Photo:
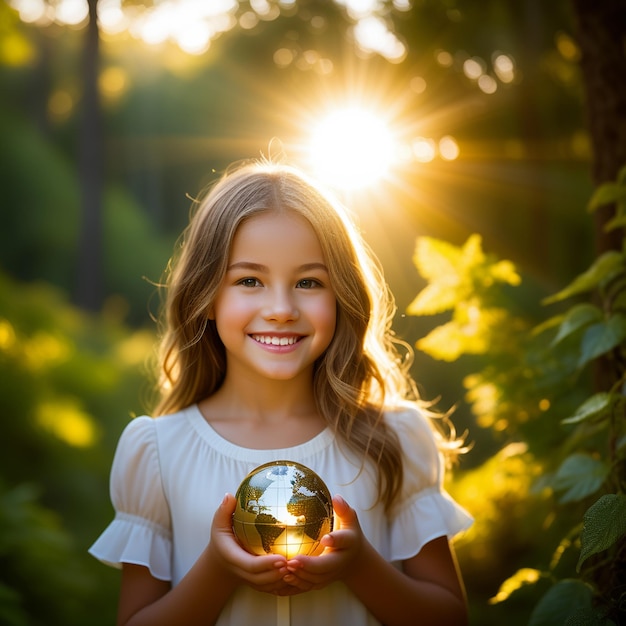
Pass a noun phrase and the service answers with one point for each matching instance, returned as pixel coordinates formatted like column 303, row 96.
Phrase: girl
column 277, row 345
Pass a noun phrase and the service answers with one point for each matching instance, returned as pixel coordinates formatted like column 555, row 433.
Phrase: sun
column 352, row 148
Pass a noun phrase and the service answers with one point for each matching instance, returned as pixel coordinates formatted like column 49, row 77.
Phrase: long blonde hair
column 361, row 371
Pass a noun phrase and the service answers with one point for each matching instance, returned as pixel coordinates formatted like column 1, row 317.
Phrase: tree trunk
column 601, row 36
column 602, row 40
column 89, row 291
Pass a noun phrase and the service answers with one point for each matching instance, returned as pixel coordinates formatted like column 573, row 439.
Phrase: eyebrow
column 257, row 267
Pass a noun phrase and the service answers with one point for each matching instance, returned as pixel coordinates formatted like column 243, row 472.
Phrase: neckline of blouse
column 227, row 448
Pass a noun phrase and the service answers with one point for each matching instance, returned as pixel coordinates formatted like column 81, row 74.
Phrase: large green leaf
column 603, row 267
column 603, row 524
column 561, row 601
column 602, row 338
column 579, row 476
column 595, row 406
column 576, row 318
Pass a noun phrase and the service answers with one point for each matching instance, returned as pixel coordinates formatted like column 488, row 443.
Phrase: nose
column 281, row 306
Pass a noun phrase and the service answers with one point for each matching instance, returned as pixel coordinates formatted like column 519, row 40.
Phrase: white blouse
column 170, row 474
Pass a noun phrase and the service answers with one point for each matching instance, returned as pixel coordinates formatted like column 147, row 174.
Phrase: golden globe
column 283, row 507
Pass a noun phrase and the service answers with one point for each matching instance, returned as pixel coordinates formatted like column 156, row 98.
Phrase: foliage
column 41, row 575
column 67, row 382
column 461, row 280
column 40, row 233
column 531, row 379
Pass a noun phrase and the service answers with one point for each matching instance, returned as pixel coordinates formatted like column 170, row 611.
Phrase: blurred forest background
column 503, row 203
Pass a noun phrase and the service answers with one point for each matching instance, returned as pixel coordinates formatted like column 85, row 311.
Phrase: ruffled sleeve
column 424, row 511
column 140, row 533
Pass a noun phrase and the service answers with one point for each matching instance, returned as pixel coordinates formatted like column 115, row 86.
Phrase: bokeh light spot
column 448, row 148
column 418, row 84
column 504, row 67
column 473, row 68
column 424, row 149
column 444, row 58
column 487, row 84
column 113, row 82
column 60, row 105
column 567, row 47
column 283, row 57
column 72, row 12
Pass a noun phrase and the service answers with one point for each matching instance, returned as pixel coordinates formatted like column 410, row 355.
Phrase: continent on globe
column 283, row 507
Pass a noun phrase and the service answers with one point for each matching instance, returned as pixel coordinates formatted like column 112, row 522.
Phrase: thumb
column 340, row 537
column 223, row 516
column 345, row 513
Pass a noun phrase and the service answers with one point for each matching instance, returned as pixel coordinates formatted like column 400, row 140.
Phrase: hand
column 342, row 547
column 263, row 573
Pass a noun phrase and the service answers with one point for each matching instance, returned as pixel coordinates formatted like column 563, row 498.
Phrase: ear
column 211, row 314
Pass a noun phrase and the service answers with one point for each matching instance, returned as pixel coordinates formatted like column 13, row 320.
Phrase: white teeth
column 275, row 341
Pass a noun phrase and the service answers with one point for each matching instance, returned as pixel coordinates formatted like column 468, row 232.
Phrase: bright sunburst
column 352, row 148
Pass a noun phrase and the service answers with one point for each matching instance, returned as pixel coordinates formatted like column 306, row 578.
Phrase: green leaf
column 448, row 342
column 579, row 476
column 602, row 268
column 598, row 404
column 434, row 298
column 602, row 338
column 547, row 325
column 603, row 524
column 617, row 222
column 608, row 193
column 504, row 272
column 561, row 601
column 523, row 576
column 577, row 317
column 435, row 259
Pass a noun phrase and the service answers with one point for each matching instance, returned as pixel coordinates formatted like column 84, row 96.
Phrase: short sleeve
column 140, row 533
column 424, row 510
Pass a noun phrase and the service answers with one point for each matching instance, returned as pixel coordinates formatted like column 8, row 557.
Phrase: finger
column 223, row 514
column 282, row 588
column 345, row 513
column 267, row 580
column 315, row 569
column 272, row 563
column 338, row 540
column 300, row 584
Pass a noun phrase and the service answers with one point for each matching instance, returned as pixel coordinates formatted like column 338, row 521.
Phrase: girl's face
column 275, row 311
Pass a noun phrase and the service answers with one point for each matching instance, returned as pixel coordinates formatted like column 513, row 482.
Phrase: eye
column 249, row 282
column 308, row 283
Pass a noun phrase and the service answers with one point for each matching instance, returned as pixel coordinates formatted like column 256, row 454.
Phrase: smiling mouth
column 271, row 340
